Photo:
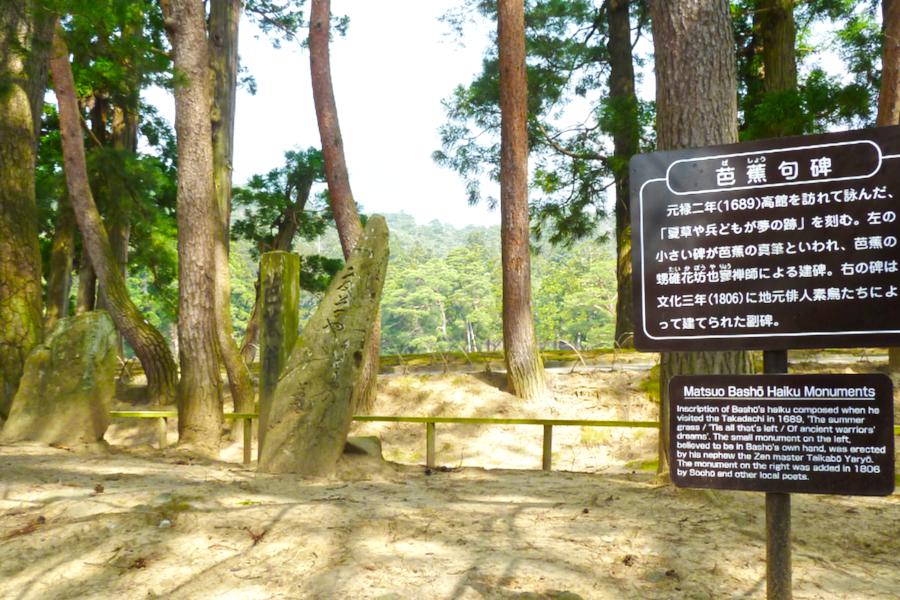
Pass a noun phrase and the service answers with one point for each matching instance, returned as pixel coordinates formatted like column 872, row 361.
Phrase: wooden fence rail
column 163, row 416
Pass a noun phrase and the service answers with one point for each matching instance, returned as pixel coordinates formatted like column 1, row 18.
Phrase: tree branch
column 571, row 153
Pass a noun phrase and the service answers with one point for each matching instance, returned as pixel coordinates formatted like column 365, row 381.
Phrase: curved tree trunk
column 148, row 344
column 889, row 96
column 525, row 371
column 62, row 252
column 341, row 197
column 626, row 142
column 199, row 392
column 224, row 17
column 696, row 99
column 21, row 315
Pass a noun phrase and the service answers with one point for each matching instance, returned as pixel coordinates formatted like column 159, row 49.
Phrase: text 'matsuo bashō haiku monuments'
column 785, row 243
column 826, row 434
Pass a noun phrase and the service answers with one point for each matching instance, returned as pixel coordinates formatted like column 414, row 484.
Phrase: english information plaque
column 783, row 243
column 816, row 434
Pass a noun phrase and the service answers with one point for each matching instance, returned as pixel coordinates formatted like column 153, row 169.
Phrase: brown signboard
column 784, row 243
column 818, row 434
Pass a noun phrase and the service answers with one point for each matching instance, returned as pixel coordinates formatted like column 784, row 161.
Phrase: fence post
column 546, row 457
column 161, row 426
column 429, row 444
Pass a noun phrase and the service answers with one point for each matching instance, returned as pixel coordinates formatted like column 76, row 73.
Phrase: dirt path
column 139, row 523
column 163, row 529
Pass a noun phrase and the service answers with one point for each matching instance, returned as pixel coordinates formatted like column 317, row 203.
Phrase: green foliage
column 442, row 292
column 575, row 296
column 568, row 64
column 280, row 200
column 284, row 20
column 821, row 102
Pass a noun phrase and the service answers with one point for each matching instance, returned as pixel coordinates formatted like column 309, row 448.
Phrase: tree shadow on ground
column 462, row 534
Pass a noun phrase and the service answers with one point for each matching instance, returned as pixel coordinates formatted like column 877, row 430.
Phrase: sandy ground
column 140, row 523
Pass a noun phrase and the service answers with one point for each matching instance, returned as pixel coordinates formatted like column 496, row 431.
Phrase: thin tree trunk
column 62, row 254
column 21, row 314
column 626, row 141
column 525, row 371
column 87, row 284
column 124, row 139
column 224, row 17
column 147, row 342
column 889, row 96
column 343, row 206
column 696, row 100
column 200, row 415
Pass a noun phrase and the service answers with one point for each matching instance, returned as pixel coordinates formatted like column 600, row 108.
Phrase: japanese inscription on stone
column 785, row 243
column 825, row 434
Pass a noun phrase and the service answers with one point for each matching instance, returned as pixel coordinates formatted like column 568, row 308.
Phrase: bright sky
column 390, row 73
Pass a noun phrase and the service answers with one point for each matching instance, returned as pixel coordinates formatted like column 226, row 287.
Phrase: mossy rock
column 66, row 391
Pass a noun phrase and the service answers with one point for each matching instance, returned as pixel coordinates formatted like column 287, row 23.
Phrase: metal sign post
column 778, row 513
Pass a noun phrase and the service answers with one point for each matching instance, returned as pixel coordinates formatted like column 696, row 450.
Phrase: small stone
column 165, row 524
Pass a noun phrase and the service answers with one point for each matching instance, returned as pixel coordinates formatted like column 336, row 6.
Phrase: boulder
column 66, row 391
column 312, row 407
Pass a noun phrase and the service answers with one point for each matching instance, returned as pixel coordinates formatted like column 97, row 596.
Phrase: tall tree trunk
column 224, row 17
column 774, row 20
column 62, row 253
column 199, row 391
column 525, row 371
column 124, row 139
column 696, row 104
column 21, row 314
column 147, row 342
column 626, row 142
column 889, row 96
column 343, row 206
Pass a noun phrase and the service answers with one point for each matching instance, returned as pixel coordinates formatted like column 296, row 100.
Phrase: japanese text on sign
column 744, row 249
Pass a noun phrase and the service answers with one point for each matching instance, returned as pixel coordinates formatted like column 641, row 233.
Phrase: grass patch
column 650, row 384
column 643, row 465
column 595, row 436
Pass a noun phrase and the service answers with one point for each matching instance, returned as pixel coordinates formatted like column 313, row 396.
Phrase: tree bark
column 62, row 254
column 774, row 20
column 148, row 344
column 775, row 31
column 21, row 314
column 340, row 195
column 343, row 206
column 87, row 284
column 200, row 414
column 525, row 371
column 696, row 100
column 224, row 17
column 626, row 143
column 889, row 95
